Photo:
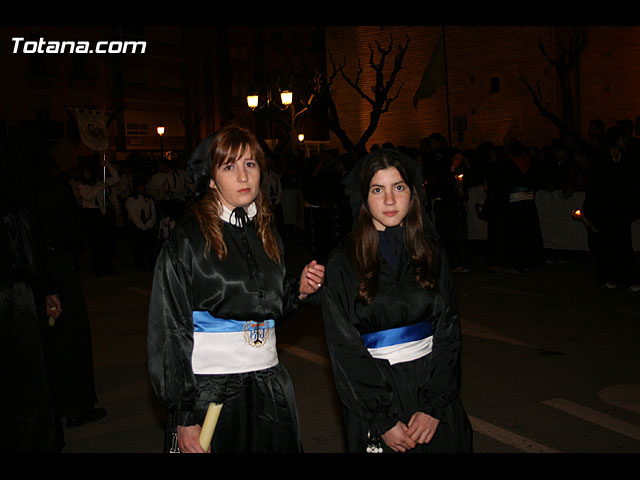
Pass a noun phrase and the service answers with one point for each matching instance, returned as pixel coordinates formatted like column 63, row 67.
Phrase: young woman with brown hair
column 220, row 288
column 391, row 318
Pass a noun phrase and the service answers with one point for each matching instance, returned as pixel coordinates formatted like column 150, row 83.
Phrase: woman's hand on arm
column 189, row 439
column 311, row 279
column 422, row 427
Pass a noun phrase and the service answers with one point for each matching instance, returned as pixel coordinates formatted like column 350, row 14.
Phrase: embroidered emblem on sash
column 256, row 333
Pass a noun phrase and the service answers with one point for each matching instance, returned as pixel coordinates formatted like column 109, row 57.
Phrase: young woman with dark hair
column 391, row 318
column 220, row 288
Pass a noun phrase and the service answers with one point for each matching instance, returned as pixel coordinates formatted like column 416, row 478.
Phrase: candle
column 52, row 320
column 577, row 215
column 209, row 425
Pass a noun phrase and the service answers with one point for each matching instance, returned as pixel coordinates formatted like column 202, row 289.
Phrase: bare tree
column 380, row 98
column 566, row 66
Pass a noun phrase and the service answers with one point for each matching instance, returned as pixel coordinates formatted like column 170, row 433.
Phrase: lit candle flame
column 578, row 215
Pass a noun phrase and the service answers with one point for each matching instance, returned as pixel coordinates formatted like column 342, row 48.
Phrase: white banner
column 559, row 229
column 92, row 125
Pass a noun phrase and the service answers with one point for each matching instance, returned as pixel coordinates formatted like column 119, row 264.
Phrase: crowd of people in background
column 145, row 197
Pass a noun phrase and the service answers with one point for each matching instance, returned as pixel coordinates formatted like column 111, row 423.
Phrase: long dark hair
column 364, row 246
column 228, row 145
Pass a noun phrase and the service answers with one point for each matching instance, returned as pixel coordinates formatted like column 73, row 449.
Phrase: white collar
column 225, row 215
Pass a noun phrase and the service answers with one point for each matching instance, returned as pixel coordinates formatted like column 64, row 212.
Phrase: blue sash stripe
column 395, row 336
column 205, row 322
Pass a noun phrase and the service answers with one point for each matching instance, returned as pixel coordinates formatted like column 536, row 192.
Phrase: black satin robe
column 374, row 393
column 259, row 412
column 27, row 420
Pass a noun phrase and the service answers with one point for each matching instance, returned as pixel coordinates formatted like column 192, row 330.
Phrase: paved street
column 550, row 363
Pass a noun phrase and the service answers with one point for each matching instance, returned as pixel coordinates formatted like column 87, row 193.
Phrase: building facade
column 486, row 98
column 191, row 80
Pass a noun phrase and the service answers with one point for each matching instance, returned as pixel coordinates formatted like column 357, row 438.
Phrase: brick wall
column 475, row 55
column 611, row 74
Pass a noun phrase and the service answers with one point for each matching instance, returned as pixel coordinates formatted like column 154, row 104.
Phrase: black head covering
column 199, row 166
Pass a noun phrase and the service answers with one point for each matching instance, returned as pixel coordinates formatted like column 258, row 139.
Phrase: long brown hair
column 420, row 247
column 228, row 145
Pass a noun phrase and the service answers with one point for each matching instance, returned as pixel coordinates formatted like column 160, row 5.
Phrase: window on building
column 137, row 129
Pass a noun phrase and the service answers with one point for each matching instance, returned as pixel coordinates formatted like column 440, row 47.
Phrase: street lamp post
column 160, row 130
column 286, row 101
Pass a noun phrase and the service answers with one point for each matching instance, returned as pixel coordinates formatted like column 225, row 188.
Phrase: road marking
column 307, row 355
column 514, row 292
column 593, row 416
column 509, row 438
column 504, row 436
column 625, row 396
column 142, row 291
column 476, row 330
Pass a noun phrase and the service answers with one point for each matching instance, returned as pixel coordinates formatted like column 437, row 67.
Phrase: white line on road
column 625, row 396
column 302, row 353
column 142, row 291
column 593, row 416
column 509, row 438
column 476, row 330
column 504, row 436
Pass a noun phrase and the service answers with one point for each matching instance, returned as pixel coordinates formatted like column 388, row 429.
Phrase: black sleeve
column 170, row 336
column 444, row 383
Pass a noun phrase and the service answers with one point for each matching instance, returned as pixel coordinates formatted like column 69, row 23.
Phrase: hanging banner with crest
column 92, row 125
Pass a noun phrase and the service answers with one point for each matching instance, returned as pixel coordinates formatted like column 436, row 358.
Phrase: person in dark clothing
column 595, row 133
column 609, row 208
column 391, row 319
column 220, row 287
column 98, row 217
column 444, row 170
column 317, row 215
column 68, row 341
column 494, row 210
column 525, row 245
column 141, row 221
column 26, row 409
column 27, row 415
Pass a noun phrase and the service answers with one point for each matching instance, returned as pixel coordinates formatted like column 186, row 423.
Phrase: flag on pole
column 434, row 75
column 92, row 125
